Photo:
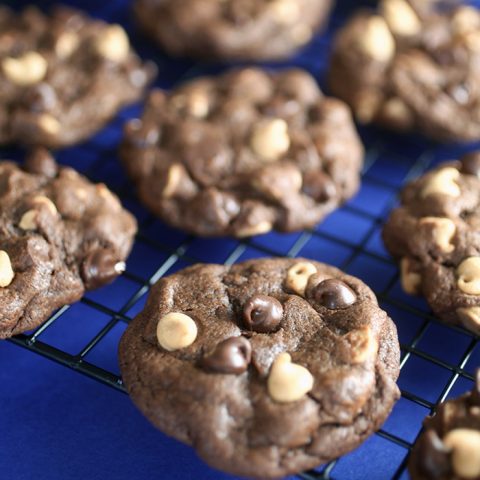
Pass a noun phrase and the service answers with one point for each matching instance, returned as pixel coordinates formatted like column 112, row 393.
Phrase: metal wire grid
column 443, row 357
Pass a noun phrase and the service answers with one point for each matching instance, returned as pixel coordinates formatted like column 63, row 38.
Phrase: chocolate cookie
column 60, row 235
column 63, row 76
column 267, row 367
column 232, row 29
column 449, row 448
column 243, row 153
column 435, row 234
column 410, row 68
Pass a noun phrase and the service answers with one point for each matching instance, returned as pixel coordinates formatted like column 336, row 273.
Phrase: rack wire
column 437, row 361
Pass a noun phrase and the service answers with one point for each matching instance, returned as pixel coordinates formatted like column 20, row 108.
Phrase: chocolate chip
column 319, row 186
column 433, row 458
column 471, row 164
column 332, row 294
column 262, row 313
column 40, row 161
column 100, row 267
column 233, row 355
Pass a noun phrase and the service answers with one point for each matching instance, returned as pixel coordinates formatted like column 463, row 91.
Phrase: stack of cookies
column 271, row 366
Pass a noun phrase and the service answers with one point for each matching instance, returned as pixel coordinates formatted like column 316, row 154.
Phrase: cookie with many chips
column 63, row 75
column 243, row 153
column 60, row 235
column 267, row 367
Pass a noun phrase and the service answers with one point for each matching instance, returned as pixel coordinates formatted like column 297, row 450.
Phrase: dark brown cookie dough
column 63, row 76
column 449, row 448
column 243, row 153
column 267, row 367
column 412, row 69
column 232, row 29
column 60, row 235
column 435, row 234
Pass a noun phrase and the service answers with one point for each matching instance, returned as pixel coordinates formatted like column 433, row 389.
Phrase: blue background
column 56, row 423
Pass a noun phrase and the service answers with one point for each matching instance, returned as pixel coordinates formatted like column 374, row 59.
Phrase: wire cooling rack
column 437, row 361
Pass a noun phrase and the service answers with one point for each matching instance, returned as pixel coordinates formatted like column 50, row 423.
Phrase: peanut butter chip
column 28, row 220
column 363, row 343
column 270, row 139
column 298, row 275
column 285, row 11
column 377, row 41
column 175, row 331
column 258, row 229
column 26, row 70
column 443, row 182
column 287, row 381
column 468, row 273
column 411, row 281
column 401, row 17
column 6, row 271
column 113, row 44
column 470, row 317
column 47, row 202
column 443, row 231
column 465, row 446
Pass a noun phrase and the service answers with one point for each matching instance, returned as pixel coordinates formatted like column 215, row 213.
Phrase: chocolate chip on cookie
column 243, row 153
column 410, row 66
column 55, row 71
column 61, row 235
column 449, row 448
column 435, row 235
column 232, row 29
column 259, row 376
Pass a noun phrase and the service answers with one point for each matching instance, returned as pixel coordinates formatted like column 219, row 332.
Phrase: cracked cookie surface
column 449, row 448
column 60, row 235
column 435, row 233
column 56, row 69
column 232, row 29
column 243, row 153
column 410, row 68
column 267, row 367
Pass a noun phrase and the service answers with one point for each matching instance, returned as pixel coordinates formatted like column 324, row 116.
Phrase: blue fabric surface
column 58, row 424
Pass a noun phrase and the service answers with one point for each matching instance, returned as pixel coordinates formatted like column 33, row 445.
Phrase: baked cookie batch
column 271, row 366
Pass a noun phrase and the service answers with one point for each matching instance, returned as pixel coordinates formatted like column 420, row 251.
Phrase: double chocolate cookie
column 267, row 367
column 243, row 153
column 435, row 234
column 449, row 448
column 60, row 235
column 232, row 29
column 410, row 66
column 63, row 76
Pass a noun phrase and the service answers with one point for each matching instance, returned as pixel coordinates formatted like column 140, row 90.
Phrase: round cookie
column 267, row 368
column 412, row 69
column 449, row 448
column 55, row 71
column 232, row 29
column 435, row 234
column 61, row 235
column 243, row 153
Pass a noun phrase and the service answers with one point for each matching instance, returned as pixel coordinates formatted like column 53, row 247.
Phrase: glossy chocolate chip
column 230, row 356
column 100, row 267
column 319, row 186
column 333, row 293
column 471, row 164
column 433, row 459
column 262, row 313
column 40, row 161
